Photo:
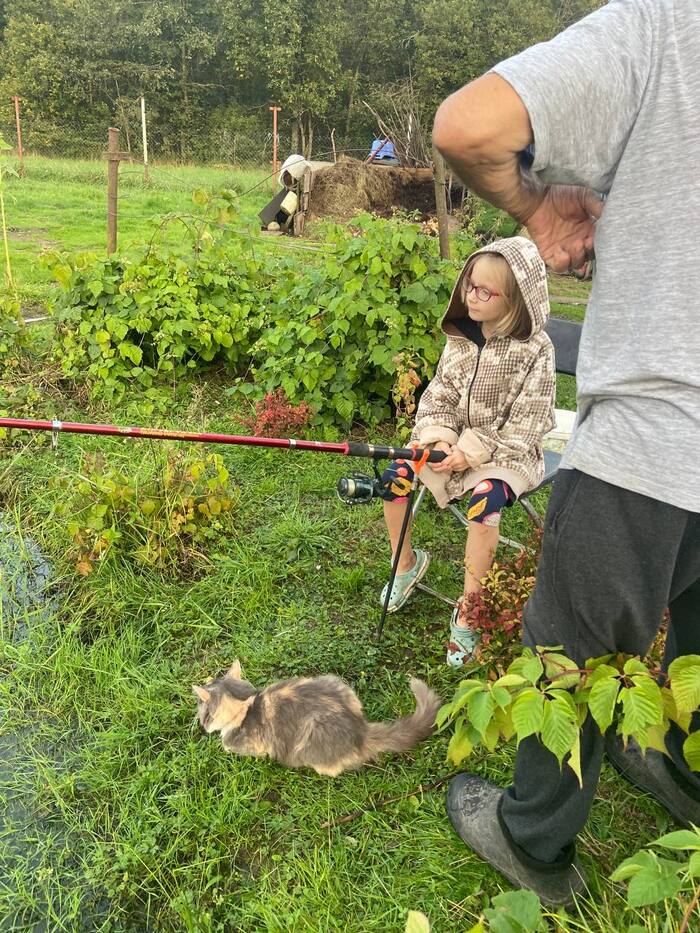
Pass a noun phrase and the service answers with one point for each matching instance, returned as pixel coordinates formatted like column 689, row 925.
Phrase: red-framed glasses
column 482, row 293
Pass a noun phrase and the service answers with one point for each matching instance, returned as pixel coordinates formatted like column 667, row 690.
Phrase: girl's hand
column 455, row 461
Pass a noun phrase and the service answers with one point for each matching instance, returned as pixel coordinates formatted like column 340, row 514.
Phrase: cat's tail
column 403, row 734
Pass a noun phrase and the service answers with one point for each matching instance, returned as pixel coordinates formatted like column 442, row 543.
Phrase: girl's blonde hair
column 516, row 321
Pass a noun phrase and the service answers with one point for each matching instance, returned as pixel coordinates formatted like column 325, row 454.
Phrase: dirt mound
column 350, row 187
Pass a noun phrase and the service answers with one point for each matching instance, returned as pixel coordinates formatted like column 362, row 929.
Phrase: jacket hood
column 530, row 273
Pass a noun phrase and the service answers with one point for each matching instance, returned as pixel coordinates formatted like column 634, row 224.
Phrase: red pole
column 346, row 448
column 19, row 135
column 275, row 138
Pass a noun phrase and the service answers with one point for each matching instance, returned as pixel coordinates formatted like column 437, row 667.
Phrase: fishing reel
column 360, row 489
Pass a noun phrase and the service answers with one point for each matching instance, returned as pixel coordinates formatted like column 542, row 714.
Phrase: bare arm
column 480, row 130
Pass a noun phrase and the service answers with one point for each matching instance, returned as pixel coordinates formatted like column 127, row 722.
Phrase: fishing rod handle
column 377, row 452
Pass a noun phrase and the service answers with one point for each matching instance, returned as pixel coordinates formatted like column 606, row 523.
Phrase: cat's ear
column 234, row 672
column 203, row 694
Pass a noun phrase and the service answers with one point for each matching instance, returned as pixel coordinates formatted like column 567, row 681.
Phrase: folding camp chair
column 565, row 335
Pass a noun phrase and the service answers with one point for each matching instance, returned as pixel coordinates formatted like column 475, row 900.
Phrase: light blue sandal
column 463, row 642
column 405, row 583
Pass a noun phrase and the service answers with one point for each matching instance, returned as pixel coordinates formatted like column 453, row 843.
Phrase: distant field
column 62, row 204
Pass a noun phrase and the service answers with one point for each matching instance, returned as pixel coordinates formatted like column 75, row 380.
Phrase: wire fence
column 221, row 144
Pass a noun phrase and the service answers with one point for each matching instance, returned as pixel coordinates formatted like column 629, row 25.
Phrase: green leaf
column 345, row 407
column 691, row 751
column 574, row 760
column 671, row 711
column 555, row 666
column 514, row 912
column 200, row 197
column 461, row 745
column 654, row 737
column 559, row 728
column 528, row 713
column 685, row 682
column 503, row 719
column 532, row 669
column 510, row 680
column 650, row 887
column 643, row 706
column 95, row 287
column 492, row 735
column 465, row 690
column 601, row 671
column 652, row 879
column 632, row 865
column 593, row 663
column 481, row 706
column 501, row 696
column 415, row 292
column 603, row 699
column 132, row 352
column 443, row 714
column 417, row 922
column 635, row 666
column 694, row 865
column 681, row 839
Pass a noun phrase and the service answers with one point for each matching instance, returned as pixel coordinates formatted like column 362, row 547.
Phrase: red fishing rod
column 353, row 489
column 346, row 448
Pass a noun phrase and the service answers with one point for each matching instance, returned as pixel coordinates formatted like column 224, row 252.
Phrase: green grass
column 119, row 815
column 62, row 205
column 115, row 812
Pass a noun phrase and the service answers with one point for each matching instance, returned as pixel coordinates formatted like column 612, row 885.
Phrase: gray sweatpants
column 612, row 561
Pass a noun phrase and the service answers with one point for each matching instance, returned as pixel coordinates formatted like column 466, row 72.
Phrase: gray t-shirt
column 614, row 103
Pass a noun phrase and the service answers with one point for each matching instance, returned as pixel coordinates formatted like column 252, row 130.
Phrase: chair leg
column 458, row 515
column 510, row 542
column 532, row 512
column 432, row 592
column 419, row 499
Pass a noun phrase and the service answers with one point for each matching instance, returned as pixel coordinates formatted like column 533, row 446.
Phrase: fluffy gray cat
column 308, row 722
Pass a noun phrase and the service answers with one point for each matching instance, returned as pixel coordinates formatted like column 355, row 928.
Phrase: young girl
column 488, row 407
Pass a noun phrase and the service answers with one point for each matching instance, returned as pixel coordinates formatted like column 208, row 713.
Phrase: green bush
column 341, row 333
column 151, row 322
column 160, row 518
column 13, row 332
column 334, row 334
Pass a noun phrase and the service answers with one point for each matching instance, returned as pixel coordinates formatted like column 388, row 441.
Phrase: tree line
column 210, row 70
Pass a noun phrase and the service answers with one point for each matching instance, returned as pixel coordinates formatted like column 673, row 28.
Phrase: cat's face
column 223, row 703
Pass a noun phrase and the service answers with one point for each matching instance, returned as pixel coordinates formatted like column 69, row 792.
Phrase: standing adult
column 611, row 105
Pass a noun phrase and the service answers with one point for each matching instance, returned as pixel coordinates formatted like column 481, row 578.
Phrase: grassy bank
column 62, row 205
column 119, row 815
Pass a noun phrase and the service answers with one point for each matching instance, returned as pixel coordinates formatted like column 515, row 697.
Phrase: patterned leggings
column 487, row 501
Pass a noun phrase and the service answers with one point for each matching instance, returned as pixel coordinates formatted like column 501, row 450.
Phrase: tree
column 291, row 48
column 213, row 69
column 458, row 40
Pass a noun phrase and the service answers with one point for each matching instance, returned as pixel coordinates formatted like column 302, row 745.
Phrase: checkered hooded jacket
column 496, row 402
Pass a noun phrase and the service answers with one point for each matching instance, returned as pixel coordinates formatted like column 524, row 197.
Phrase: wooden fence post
column 441, row 203
column 20, row 151
column 114, row 157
